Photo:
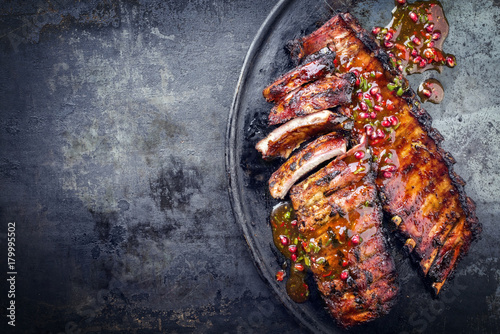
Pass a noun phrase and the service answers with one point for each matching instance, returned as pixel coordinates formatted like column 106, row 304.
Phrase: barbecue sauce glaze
column 413, row 40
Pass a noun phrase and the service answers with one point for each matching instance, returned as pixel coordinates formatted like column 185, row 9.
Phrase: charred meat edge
column 325, row 93
column 311, row 156
column 282, row 141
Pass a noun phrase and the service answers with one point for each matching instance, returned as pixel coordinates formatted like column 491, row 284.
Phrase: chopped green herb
column 359, row 170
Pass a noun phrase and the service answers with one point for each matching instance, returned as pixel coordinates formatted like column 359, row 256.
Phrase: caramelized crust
column 425, row 197
column 334, row 206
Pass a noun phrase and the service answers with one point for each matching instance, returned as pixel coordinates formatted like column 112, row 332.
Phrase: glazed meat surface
column 317, row 68
column 327, row 92
column 283, row 140
column 318, row 151
column 340, row 216
column 417, row 185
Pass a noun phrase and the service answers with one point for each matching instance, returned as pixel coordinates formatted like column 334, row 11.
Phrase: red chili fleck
column 294, row 257
column 292, row 248
column 387, row 174
column 345, row 263
column 359, row 155
column 284, row 240
column 377, row 108
column 390, row 106
column 386, row 123
column 355, row 239
column 413, row 16
column 280, row 275
column 327, row 274
column 299, row 266
column 344, row 274
column 394, row 120
column 335, row 62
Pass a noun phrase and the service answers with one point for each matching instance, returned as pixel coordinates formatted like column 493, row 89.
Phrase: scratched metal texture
column 112, row 133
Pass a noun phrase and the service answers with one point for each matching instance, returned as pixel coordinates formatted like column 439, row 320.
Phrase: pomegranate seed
column 292, row 248
column 413, row 16
column 387, row 160
column 374, row 90
column 416, row 41
column 344, row 275
column 426, row 92
column 388, row 36
column 387, row 175
column 358, row 82
column 363, row 105
column 294, row 222
column 373, row 115
column 428, row 54
column 294, row 257
column 450, row 60
column 378, row 97
column 374, row 135
column 375, row 30
column 359, row 155
column 401, row 2
column 355, row 239
column 422, row 63
column 385, row 123
column 369, row 130
column 377, row 108
column 431, row 44
column 299, row 266
column 400, row 68
column 414, row 52
column 388, row 44
column 429, row 27
column 436, row 35
column 380, row 133
column 367, row 96
column 417, row 60
column 356, row 73
column 345, row 263
column 364, row 115
column 284, row 240
column 394, row 120
column 391, row 168
column 360, row 96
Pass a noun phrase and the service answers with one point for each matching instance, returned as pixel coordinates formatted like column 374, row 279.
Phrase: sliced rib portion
column 311, row 156
column 324, row 93
column 301, row 75
column 423, row 194
column 286, row 138
column 340, row 220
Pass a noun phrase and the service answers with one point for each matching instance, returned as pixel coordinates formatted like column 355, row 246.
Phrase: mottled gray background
column 112, row 135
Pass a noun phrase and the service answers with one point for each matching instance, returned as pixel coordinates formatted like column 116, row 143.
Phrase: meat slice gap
column 340, row 220
column 283, row 140
column 311, row 156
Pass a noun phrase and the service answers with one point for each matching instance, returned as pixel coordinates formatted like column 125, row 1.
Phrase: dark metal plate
column 470, row 301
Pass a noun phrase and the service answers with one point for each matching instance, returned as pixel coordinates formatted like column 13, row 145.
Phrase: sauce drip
column 415, row 36
column 431, row 90
column 288, row 241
